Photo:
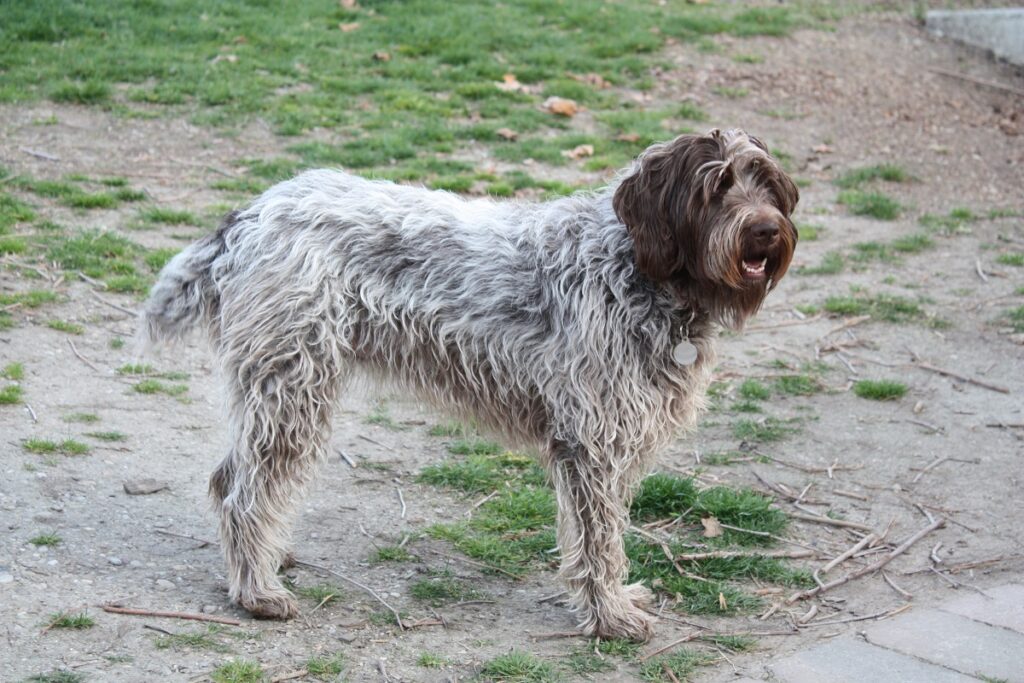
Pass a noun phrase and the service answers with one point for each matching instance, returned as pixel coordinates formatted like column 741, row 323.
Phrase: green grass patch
column 58, row 676
column 474, row 446
column 859, row 176
column 797, row 385
column 108, row 436
column 10, row 395
column 209, row 639
column 879, row 390
column 518, row 667
column 320, row 593
column 13, row 371
column 1015, row 316
column 912, row 244
column 33, row 298
column 66, row 326
column 381, row 418
column 429, row 660
column 163, row 216
column 887, row 307
column 768, row 429
column 12, row 245
column 155, row 386
column 326, row 667
column 957, row 221
column 77, row 622
column 752, row 390
column 45, row 539
column 14, row 211
column 238, row 671
column 95, row 253
column 443, row 589
column 682, row 663
column 873, row 204
column 482, row 473
column 45, row 446
column 832, row 263
column 391, row 553
column 86, row 418
column 1014, row 258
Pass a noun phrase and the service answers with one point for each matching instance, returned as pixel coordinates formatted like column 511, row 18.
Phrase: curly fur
column 553, row 323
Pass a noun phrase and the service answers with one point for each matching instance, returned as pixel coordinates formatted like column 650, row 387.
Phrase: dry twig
column 170, row 615
column 963, row 378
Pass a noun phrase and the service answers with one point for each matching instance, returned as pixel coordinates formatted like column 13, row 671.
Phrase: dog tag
column 684, row 353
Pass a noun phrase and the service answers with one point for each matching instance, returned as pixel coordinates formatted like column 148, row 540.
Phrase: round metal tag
column 684, row 353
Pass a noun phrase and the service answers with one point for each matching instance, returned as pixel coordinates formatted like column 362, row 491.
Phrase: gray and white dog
column 582, row 327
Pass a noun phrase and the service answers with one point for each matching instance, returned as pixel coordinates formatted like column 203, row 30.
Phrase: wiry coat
column 535, row 319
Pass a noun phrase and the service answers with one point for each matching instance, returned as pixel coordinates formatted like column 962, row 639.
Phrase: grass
column 443, row 589
column 202, row 639
column 391, row 553
column 58, row 676
column 1015, row 317
column 155, row 386
column 87, row 418
column 325, row 668
column 482, row 473
column 872, row 204
column 238, row 671
column 321, row 593
column 682, row 663
column 764, row 430
column 887, row 307
column 888, row 172
column 518, row 667
column 11, row 395
column 31, row 299
column 45, row 539
column 752, row 390
column 832, row 263
column 381, row 418
column 879, row 390
column 797, row 385
column 66, row 326
column 67, row 620
column 45, row 447
column 13, row 371
column 108, row 436
column 163, row 216
column 1015, row 259
column 428, row 660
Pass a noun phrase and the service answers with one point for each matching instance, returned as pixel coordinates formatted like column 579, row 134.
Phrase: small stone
column 116, row 561
column 6, row 576
column 165, row 585
column 142, row 487
column 209, row 609
column 135, row 563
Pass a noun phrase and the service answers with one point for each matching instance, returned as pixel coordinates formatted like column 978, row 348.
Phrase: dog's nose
column 765, row 232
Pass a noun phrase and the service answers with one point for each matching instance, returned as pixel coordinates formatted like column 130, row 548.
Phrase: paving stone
column 959, row 643
column 1003, row 606
column 854, row 661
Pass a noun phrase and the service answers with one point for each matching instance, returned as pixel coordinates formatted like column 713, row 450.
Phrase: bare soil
column 861, row 95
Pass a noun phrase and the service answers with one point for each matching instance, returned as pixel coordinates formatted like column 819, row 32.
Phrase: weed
column 13, row 371
column 912, row 244
column 325, row 668
column 81, row 92
column 873, row 204
column 482, row 473
column 204, row 639
column 97, row 254
column 752, row 390
column 1015, row 316
column 809, row 232
column 429, row 660
column 733, row 643
column 82, row 417
column 12, row 245
column 1015, row 258
column 34, row 298
column 158, row 258
column 443, row 589
column 10, row 395
column 58, row 676
column 391, row 553
column 45, row 539
column 154, row 386
column 474, row 447
column 321, row 593
column 583, row 660
column 108, row 436
column 66, row 447
column 767, row 429
column 13, row 211
column 857, row 177
column 117, row 343
column 381, row 418
column 731, row 93
column 65, row 326
column 238, row 671
column 681, row 663
column 168, row 216
column 831, row 264
column 518, row 667
column 879, row 390
column 955, row 222
column 747, row 59
column 77, row 622
column 747, row 407
column 136, row 369
column 797, row 385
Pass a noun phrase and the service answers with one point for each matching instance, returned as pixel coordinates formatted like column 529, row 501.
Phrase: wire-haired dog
column 583, row 326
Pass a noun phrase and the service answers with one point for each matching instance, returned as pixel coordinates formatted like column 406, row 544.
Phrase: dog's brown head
column 710, row 215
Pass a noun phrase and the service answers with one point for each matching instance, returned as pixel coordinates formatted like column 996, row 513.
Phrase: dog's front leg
column 593, row 515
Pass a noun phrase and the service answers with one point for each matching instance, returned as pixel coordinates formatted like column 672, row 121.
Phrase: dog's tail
column 185, row 294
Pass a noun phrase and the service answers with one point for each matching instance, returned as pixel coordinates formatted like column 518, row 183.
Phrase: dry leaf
column 348, row 4
column 579, row 152
column 509, row 83
column 593, row 79
column 230, row 59
column 561, row 106
column 628, row 137
column 822, row 149
column 507, row 133
column 348, row 28
column 722, row 603
column 382, row 56
column 712, row 527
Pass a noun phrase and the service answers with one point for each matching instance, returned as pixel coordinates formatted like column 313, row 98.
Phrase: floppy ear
column 788, row 192
column 656, row 203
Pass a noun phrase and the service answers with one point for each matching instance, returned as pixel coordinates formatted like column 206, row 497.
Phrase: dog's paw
column 271, row 606
column 640, row 595
column 629, row 623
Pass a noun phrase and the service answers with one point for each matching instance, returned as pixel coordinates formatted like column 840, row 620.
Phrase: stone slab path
column 976, row 637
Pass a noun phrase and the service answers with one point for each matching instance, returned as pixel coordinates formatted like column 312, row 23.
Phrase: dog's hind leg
column 281, row 395
column 593, row 516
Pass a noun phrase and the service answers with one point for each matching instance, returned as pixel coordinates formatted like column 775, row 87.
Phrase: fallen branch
column 170, row 615
column 81, row 357
column 723, row 554
column 876, row 615
column 853, row 550
column 871, row 567
column 963, row 378
column 339, row 575
column 821, row 519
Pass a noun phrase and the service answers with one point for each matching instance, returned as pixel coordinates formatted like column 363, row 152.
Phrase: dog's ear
column 655, row 202
column 787, row 191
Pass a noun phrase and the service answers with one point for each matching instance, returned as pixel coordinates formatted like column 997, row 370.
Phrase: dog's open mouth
column 755, row 268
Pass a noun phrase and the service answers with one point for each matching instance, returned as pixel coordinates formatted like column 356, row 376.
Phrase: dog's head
column 710, row 214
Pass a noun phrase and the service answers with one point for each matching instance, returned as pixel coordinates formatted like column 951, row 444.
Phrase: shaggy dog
column 582, row 326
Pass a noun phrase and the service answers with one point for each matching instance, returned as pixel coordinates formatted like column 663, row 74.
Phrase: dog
column 582, row 326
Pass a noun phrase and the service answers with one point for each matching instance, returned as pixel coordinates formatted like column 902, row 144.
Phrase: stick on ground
column 170, row 615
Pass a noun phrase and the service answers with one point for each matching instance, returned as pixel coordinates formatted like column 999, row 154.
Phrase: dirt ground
column 866, row 93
